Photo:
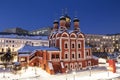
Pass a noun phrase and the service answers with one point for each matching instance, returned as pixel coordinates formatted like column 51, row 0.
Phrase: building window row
column 72, row 45
column 55, row 56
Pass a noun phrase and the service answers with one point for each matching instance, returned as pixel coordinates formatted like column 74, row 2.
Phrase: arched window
column 72, row 44
column 73, row 55
column 66, row 55
column 79, row 44
column 66, row 44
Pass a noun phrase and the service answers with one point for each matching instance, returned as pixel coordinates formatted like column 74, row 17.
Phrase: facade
column 103, row 43
column 66, row 51
column 16, row 42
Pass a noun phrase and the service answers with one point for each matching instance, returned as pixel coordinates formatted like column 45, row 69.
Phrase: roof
column 28, row 48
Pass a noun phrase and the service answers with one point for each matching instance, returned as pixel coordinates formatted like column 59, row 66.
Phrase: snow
column 22, row 55
column 28, row 48
column 36, row 73
column 101, row 60
column 50, row 66
column 94, row 57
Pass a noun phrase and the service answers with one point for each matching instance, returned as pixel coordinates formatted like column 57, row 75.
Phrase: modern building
column 103, row 43
column 66, row 51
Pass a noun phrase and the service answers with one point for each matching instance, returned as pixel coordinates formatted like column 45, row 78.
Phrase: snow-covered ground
column 98, row 73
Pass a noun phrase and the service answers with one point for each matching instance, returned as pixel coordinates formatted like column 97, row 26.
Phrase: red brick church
column 66, row 51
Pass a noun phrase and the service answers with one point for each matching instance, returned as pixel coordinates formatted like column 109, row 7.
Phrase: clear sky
column 96, row 16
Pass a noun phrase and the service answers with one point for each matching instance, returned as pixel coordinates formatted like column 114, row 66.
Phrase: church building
column 66, row 50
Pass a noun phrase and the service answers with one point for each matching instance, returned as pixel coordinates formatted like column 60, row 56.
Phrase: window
column 79, row 45
column 87, row 53
column 23, row 59
column 9, row 41
column 53, row 56
column 79, row 55
column 66, row 46
column 6, row 41
column 73, row 46
column 57, row 55
column 73, row 56
column 12, row 45
column 66, row 66
column 66, row 56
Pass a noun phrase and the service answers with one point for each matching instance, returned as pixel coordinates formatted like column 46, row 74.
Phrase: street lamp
column 90, row 70
column 74, row 75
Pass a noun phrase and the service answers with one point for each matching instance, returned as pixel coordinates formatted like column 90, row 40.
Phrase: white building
column 15, row 42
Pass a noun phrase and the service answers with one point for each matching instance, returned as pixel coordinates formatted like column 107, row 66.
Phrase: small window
column 57, row 56
column 53, row 56
column 12, row 45
column 73, row 56
column 87, row 53
column 66, row 66
column 66, row 56
column 66, row 46
column 6, row 41
column 78, row 55
column 73, row 46
column 79, row 46
column 23, row 59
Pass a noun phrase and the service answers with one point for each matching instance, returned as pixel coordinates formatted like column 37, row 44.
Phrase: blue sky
column 96, row 16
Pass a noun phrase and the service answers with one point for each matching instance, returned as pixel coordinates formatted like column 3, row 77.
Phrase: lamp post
column 74, row 75
column 90, row 70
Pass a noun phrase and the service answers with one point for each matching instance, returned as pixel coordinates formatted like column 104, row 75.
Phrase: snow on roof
column 24, row 37
column 22, row 55
column 94, row 57
column 69, row 31
column 28, row 48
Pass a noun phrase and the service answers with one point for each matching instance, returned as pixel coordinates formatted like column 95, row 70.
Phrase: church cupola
column 76, row 24
column 55, row 25
column 62, row 23
column 68, row 21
